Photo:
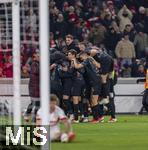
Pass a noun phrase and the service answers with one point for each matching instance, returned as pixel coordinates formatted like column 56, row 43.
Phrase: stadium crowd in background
column 118, row 26
column 94, row 22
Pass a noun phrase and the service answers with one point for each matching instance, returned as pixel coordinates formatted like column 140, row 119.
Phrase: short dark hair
column 84, row 53
column 73, row 52
column 69, row 36
column 82, row 43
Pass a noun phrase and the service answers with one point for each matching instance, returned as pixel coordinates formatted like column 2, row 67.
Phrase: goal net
column 29, row 24
column 29, row 43
column 20, row 37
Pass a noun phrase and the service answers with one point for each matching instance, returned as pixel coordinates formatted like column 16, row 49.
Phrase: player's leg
column 101, row 113
column 36, row 104
column 27, row 113
column 105, row 88
column 145, row 100
column 111, row 104
column 76, row 108
column 76, row 96
column 66, row 98
column 84, row 103
column 94, row 104
column 94, row 101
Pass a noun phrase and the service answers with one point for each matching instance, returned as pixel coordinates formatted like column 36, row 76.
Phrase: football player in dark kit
column 106, row 67
column 92, row 78
column 111, row 105
column 66, row 79
column 56, row 60
column 106, row 63
column 55, row 82
column 78, row 85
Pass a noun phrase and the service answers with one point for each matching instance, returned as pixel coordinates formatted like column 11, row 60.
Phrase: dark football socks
column 76, row 109
column 85, row 109
column 105, row 90
column 101, row 111
column 111, row 107
column 68, row 106
column 95, row 112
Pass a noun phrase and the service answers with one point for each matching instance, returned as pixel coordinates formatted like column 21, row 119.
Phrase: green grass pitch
column 129, row 133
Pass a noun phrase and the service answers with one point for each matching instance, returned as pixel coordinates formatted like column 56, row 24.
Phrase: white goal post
column 16, row 62
column 44, row 63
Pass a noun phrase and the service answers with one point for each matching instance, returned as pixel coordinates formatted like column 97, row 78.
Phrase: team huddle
column 84, row 81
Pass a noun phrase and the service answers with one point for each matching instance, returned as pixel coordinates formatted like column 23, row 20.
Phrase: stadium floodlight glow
column 16, row 62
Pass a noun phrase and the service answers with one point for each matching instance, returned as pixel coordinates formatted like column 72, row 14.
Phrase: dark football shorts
column 77, row 88
column 96, row 87
column 107, row 68
column 87, row 91
column 67, row 88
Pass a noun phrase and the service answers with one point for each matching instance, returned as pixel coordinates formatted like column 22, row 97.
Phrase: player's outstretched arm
column 77, row 65
column 67, row 125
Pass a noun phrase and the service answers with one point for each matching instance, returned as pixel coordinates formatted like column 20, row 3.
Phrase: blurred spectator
column 33, row 21
column 77, row 31
column 60, row 27
column 72, row 16
column 60, row 44
column 140, row 16
column 131, row 32
column 25, row 72
column 1, row 72
column 111, row 40
column 125, row 51
column 52, row 41
column 146, row 24
column 141, row 71
column 97, row 34
column 8, row 67
column 111, row 9
column 85, row 30
column 134, row 68
column 70, row 43
column 126, row 70
column 117, row 67
column 125, row 16
column 107, row 21
column 141, row 43
column 72, row 19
